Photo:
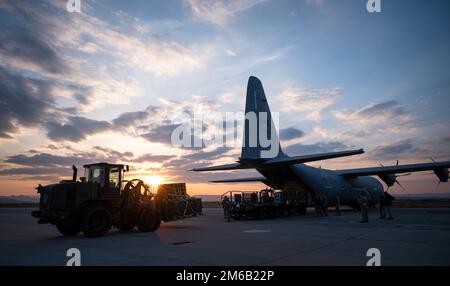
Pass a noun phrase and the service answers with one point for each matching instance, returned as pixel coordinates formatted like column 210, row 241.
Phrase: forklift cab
column 108, row 176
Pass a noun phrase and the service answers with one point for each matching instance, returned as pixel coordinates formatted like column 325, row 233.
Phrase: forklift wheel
column 68, row 229
column 96, row 221
column 148, row 221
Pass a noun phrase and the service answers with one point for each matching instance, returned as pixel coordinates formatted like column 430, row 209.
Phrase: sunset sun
column 153, row 180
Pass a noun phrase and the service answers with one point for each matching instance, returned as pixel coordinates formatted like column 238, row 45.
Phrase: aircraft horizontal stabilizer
column 286, row 161
column 280, row 161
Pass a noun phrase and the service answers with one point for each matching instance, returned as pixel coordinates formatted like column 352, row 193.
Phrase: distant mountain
column 18, row 199
column 429, row 196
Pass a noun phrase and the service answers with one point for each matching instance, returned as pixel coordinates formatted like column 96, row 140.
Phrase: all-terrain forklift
column 102, row 199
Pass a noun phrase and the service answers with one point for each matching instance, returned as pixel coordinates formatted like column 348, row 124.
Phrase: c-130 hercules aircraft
column 283, row 171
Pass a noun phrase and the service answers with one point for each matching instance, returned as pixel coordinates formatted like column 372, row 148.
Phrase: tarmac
column 417, row 236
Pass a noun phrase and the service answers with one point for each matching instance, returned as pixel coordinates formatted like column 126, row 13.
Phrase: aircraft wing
column 380, row 171
column 242, row 180
column 286, row 161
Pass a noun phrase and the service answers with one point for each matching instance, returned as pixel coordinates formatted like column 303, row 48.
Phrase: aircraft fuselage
column 318, row 180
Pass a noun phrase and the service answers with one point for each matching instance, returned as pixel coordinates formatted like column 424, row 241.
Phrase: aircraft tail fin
column 261, row 146
column 260, row 139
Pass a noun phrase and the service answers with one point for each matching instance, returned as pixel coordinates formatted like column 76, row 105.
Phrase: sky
column 103, row 85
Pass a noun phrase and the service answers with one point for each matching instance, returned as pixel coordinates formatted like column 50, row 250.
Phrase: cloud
column 88, row 48
column 315, row 2
column 51, row 42
column 320, row 4
column 310, row 101
column 30, row 171
column 81, row 98
column 220, row 12
column 160, row 134
column 76, row 129
column 46, row 166
column 50, row 167
column 156, row 124
column 47, row 160
column 392, row 150
column 178, row 168
column 132, row 118
column 196, row 158
column 162, row 58
column 230, row 52
column 201, row 155
column 152, row 158
column 28, row 48
column 23, row 101
column 113, row 154
column 291, row 133
column 31, row 102
column 340, row 136
column 78, row 158
column 320, row 147
column 375, row 113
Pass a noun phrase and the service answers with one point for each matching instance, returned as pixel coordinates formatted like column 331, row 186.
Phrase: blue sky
column 101, row 84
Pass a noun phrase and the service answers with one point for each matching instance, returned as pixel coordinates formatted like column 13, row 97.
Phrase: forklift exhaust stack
column 74, row 176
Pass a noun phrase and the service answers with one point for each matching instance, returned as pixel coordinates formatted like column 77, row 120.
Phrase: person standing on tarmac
column 324, row 205
column 387, row 201
column 338, row 206
column 363, row 205
column 318, row 206
column 228, row 209
column 382, row 209
column 225, row 201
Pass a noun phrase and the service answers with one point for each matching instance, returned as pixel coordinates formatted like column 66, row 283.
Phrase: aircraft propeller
column 442, row 174
column 391, row 179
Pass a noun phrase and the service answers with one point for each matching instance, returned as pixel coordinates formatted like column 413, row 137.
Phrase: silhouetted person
column 338, row 206
column 363, row 205
column 382, row 210
column 228, row 209
column 225, row 201
column 317, row 204
column 324, row 205
column 386, row 203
